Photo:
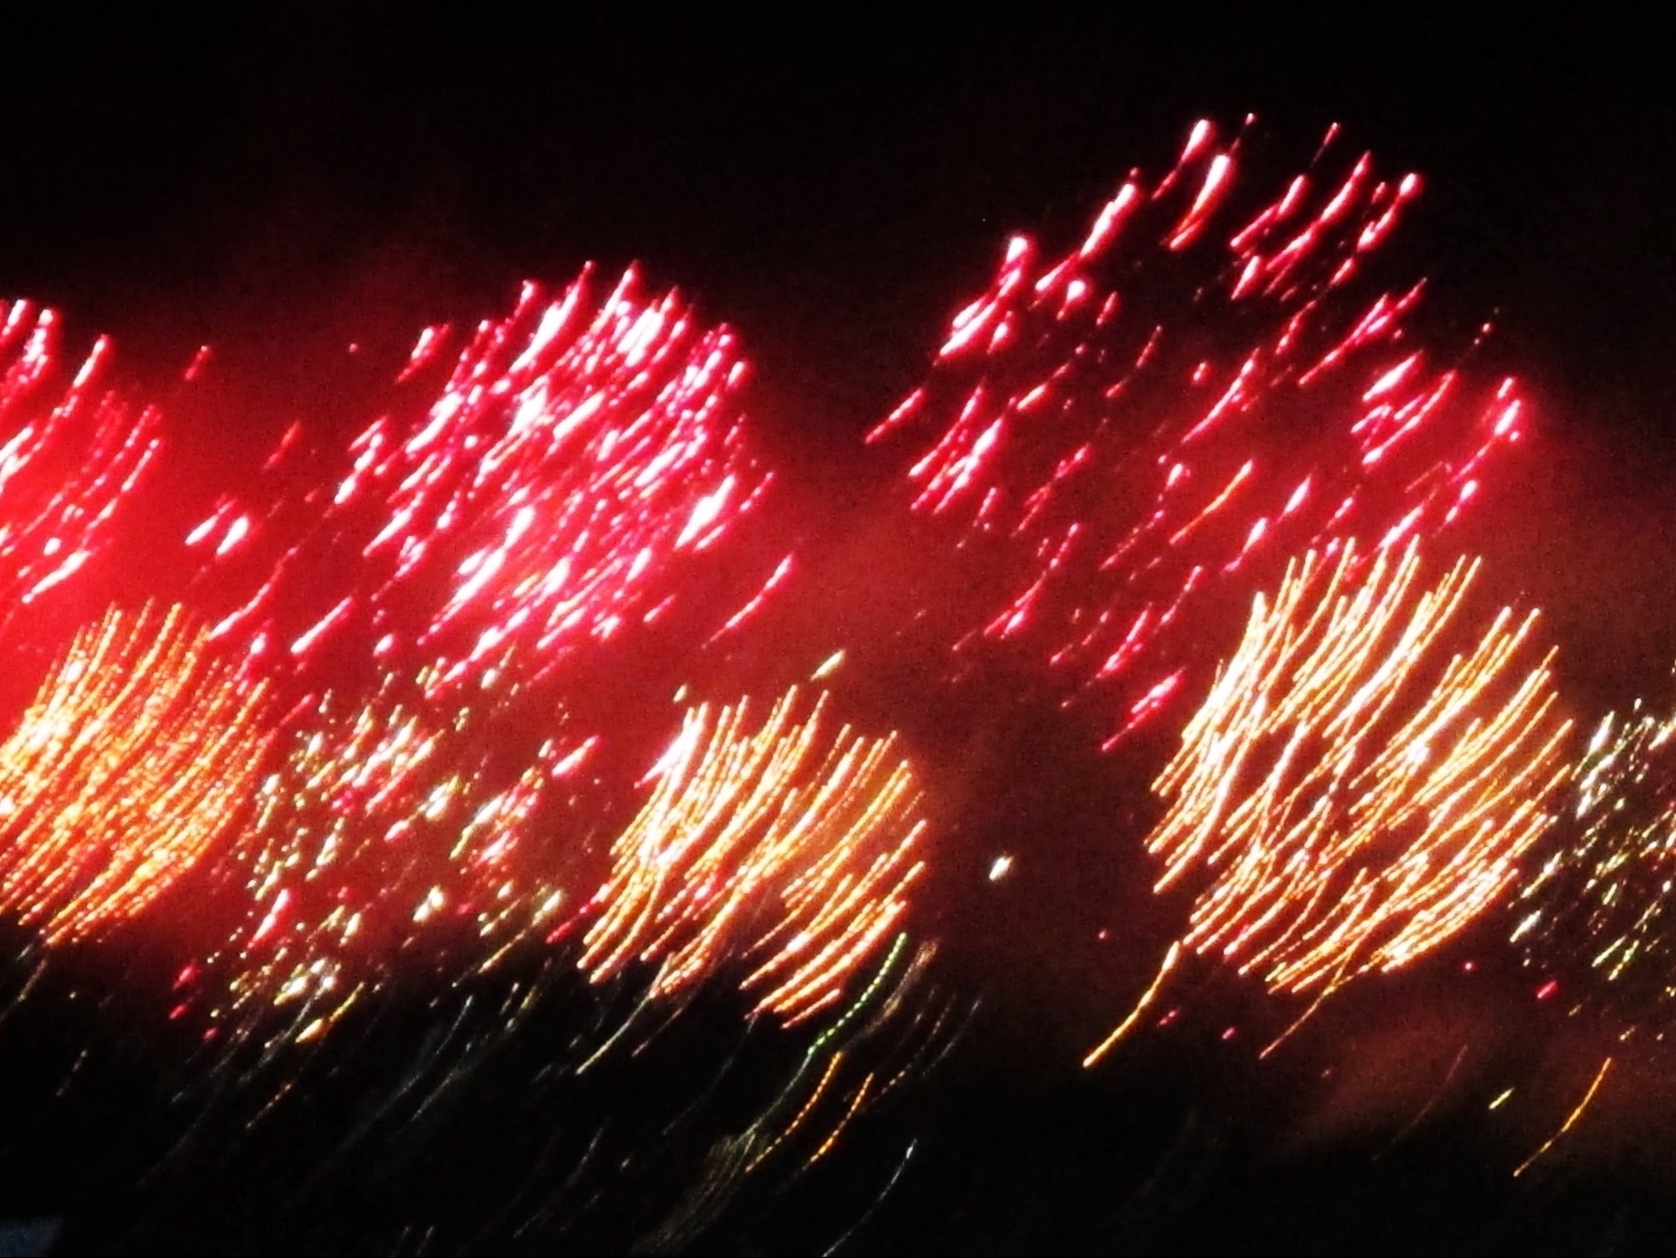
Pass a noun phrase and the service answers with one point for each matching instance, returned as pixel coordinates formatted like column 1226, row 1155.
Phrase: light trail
column 779, row 844
column 139, row 753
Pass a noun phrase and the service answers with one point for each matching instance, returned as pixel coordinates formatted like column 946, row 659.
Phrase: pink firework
column 71, row 456
column 579, row 452
column 1212, row 380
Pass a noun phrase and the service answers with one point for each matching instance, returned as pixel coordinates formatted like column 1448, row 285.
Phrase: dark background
column 281, row 180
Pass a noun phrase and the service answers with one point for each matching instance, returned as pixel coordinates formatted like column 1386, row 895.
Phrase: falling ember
column 1204, row 386
column 1357, row 788
column 1571, row 1119
column 576, row 454
column 1594, row 910
column 780, row 845
column 389, row 833
column 138, row 753
column 70, row 458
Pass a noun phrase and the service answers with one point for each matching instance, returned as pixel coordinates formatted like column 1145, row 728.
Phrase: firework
column 70, row 458
column 1593, row 911
column 566, row 472
column 577, row 451
column 1210, row 381
column 394, row 835
column 1355, row 789
column 780, row 844
column 138, row 753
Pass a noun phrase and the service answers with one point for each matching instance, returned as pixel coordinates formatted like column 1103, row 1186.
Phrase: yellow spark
column 780, row 844
column 1351, row 793
column 137, row 752
column 1571, row 1118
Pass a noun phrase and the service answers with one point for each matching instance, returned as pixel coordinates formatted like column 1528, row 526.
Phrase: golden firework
column 783, row 843
column 1354, row 789
column 134, row 755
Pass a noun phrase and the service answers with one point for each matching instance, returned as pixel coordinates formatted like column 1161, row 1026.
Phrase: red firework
column 1209, row 382
column 576, row 454
column 71, row 457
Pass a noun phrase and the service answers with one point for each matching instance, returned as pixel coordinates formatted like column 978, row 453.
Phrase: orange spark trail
column 1571, row 1119
column 781, row 844
column 138, row 753
column 1357, row 787
column 1354, row 791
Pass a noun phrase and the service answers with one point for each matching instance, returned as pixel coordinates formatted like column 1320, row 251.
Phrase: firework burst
column 781, row 844
column 393, row 838
column 577, row 451
column 1594, row 911
column 1355, row 789
column 138, row 753
column 1210, row 381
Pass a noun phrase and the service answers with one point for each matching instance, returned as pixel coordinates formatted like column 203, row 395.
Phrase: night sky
column 279, row 182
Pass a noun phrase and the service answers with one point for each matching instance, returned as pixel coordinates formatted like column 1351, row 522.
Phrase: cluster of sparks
column 1355, row 790
column 70, row 458
column 1206, row 385
column 138, row 753
column 1594, row 907
column 364, row 767
column 784, row 844
column 385, row 838
column 576, row 451
column 576, row 460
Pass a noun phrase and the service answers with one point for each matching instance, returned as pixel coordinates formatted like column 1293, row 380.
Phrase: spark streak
column 138, row 753
column 781, row 844
column 1571, row 1119
column 1202, row 387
